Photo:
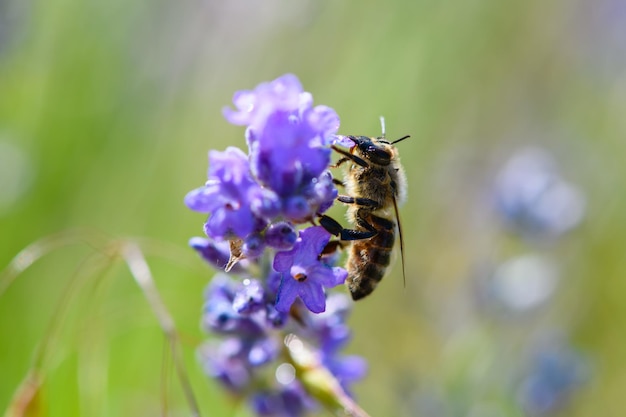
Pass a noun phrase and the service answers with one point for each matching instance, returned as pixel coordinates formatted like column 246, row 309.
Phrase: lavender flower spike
column 228, row 196
column 288, row 140
column 303, row 274
column 260, row 205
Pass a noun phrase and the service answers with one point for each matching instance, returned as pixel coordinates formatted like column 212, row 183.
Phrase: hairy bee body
column 368, row 261
column 373, row 191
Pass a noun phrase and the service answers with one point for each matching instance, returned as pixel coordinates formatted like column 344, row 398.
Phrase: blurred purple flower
column 332, row 333
column 240, row 310
column 250, row 297
column 329, row 328
column 346, row 368
column 554, row 373
column 534, row 199
column 303, row 274
column 222, row 315
column 222, row 362
column 290, row 401
column 517, row 286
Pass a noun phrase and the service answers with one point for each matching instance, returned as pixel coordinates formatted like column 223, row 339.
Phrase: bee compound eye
column 378, row 155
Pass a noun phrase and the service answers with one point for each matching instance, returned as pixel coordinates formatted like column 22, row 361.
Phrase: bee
column 375, row 185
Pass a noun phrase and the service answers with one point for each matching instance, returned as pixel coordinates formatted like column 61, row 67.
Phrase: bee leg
column 330, row 248
column 359, row 201
column 386, row 224
column 333, row 227
column 385, row 237
column 339, row 162
column 338, row 182
column 365, row 225
column 348, row 156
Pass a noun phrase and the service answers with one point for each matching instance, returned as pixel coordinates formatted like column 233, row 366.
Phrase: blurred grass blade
column 27, row 397
column 33, row 252
column 141, row 272
column 27, row 401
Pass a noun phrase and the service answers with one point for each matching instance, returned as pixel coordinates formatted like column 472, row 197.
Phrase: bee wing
column 395, row 207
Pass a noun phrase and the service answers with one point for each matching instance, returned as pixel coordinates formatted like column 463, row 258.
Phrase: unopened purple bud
column 297, row 208
column 220, row 317
column 265, row 203
column 324, row 191
column 215, row 253
column 253, row 245
column 281, row 235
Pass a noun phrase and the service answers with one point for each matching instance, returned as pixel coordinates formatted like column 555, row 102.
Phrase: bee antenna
column 401, row 139
column 382, row 125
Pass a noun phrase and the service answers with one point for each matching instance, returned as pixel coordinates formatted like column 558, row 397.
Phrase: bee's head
column 376, row 150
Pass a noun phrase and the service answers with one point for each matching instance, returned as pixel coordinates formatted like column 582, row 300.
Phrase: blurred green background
column 108, row 109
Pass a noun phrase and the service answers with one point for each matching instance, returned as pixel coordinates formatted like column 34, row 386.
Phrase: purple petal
column 223, row 223
column 264, row 202
column 229, row 166
column 312, row 294
column 344, row 141
column 245, row 102
column 273, row 281
column 285, row 91
column 325, row 120
column 283, row 260
column 203, row 199
column 287, row 293
column 328, row 277
column 215, row 226
column 254, row 107
column 312, row 242
column 316, row 161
